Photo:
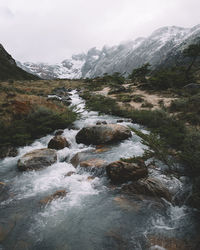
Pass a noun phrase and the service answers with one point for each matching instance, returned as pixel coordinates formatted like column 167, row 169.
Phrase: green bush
column 190, row 154
column 157, row 120
column 188, row 109
column 147, row 105
column 140, row 73
column 167, row 78
column 38, row 123
column 137, row 98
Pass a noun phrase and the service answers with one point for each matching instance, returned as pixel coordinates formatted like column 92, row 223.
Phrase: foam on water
column 85, row 196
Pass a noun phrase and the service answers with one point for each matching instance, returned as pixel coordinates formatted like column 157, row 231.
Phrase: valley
column 104, row 153
column 78, row 194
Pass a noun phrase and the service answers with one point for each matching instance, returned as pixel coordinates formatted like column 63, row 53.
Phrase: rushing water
column 93, row 215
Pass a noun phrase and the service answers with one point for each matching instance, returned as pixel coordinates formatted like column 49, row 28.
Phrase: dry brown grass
column 20, row 97
column 153, row 98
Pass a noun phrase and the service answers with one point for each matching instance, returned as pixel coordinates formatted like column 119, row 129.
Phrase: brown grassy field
column 21, row 97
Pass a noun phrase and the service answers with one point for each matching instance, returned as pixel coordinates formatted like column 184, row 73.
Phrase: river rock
column 70, row 173
column 59, row 132
column 127, row 204
column 101, row 122
column 37, row 159
column 58, row 142
column 91, row 178
column 103, row 134
column 159, row 242
column 79, row 157
column 93, row 163
column 120, row 172
column 148, row 186
column 58, row 194
column 6, row 228
column 8, row 151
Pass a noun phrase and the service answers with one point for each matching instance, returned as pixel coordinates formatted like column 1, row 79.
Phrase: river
column 94, row 215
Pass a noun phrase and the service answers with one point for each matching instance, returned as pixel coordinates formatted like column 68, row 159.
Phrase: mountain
column 9, row 68
column 162, row 48
column 69, row 68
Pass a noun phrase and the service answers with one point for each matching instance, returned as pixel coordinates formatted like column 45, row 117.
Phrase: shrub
column 137, row 98
column 167, row 78
column 36, row 124
column 188, row 108
column 190, row 154
column 147, row 105
column 159, row 121
column 140, row 73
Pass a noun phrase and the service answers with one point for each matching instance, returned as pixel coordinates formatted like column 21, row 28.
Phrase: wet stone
column 58, row 142
column 69, row 174
column 80, row 156
column 149, row 187
column 120, row 172
column 103, row 134
column 37, row 159
column 8, row 152
column 5, row 229
column 59, row 132
column 90, row 178
column 127, row 204
column 57, row 195
column 157, row 242
column 95, row 162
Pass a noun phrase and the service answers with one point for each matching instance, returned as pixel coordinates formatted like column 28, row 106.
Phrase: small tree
column 140, row 73
column 192, row 51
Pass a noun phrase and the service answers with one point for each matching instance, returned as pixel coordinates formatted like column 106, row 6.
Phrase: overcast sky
column 52, row 30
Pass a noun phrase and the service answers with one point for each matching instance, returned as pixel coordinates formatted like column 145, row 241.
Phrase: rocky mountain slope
column 9, row 68
column 162, row 47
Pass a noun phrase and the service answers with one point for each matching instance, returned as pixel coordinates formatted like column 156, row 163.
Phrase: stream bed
column 94, row 215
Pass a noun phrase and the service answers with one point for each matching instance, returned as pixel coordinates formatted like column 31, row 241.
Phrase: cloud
column 52, row 30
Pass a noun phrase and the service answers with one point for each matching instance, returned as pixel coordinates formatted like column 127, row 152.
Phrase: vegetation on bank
column 114, row 81
column 26, row 112
column 35, row 124
column 174, row 135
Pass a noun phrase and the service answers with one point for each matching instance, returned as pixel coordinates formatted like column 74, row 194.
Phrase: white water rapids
column 93, row 215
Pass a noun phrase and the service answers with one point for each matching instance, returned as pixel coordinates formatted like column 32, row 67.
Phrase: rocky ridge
column 162, row 47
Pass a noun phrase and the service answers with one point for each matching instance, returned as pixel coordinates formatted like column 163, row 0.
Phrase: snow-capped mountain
column 69, row 68
column 162, row 47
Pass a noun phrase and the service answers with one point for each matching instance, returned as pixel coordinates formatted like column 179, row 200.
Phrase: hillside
column 9, row 68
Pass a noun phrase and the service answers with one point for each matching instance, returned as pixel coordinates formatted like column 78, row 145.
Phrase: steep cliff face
column 162, row 48
column 9, row 68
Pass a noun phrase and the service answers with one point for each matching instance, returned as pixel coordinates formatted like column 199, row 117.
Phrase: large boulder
column 37, row 159
column 149, row 187
column 58, row 142
column 103, row 134
column 120, row 171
